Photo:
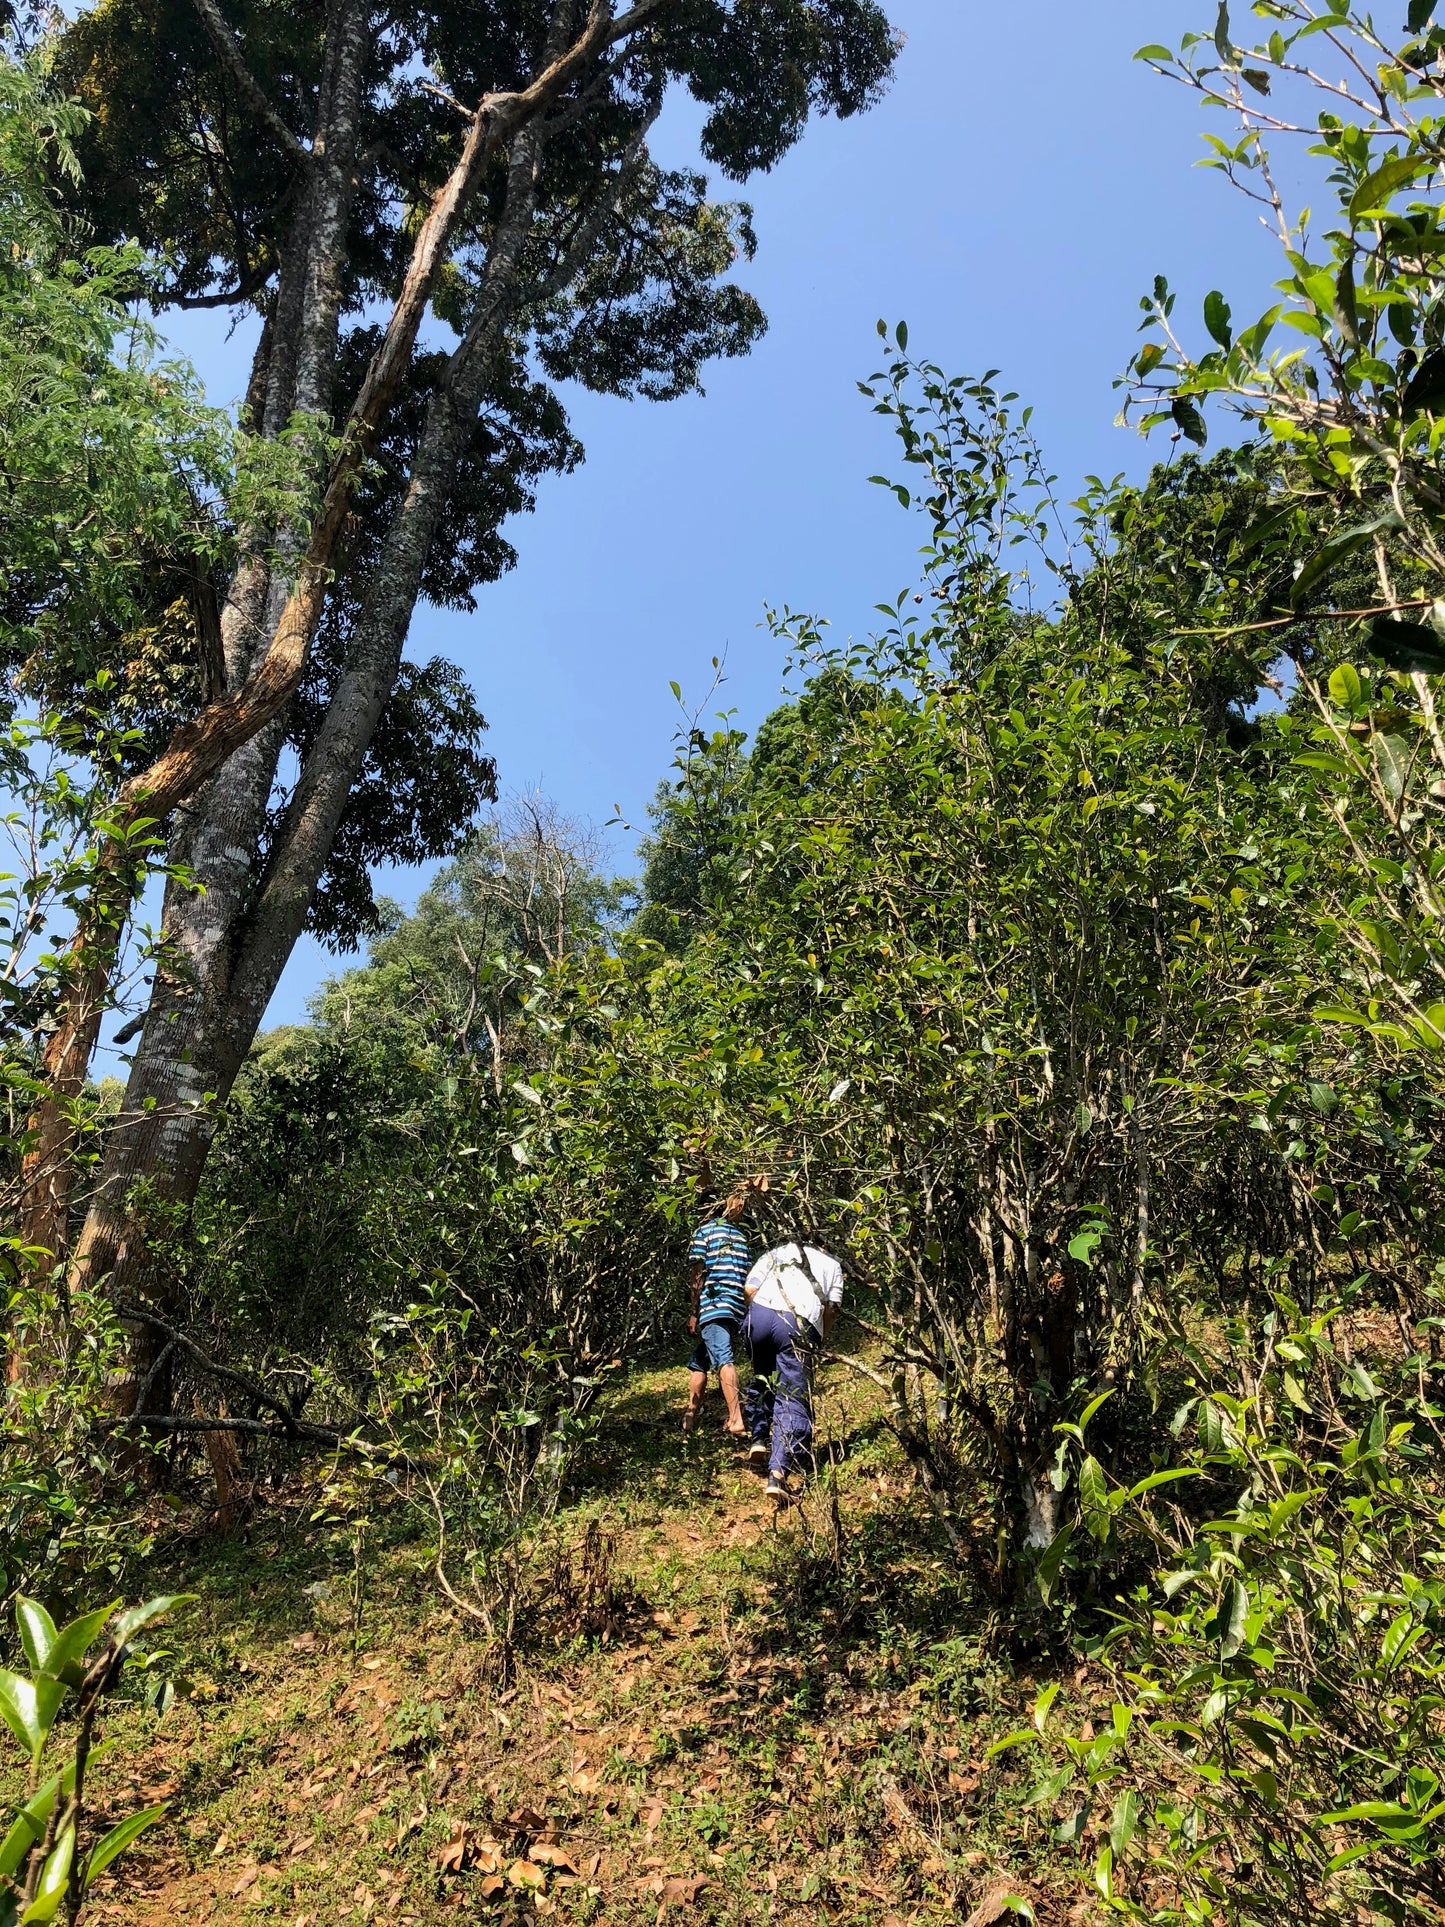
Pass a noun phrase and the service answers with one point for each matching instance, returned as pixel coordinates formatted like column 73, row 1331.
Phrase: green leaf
column 1223, row 45
column 1045, row 1700
column 74, row 1641
column 1352, row 1854
column 1123, row 1821
column 1047, row 1571
column 54, row 1880
column 1049, row 1789
column 1230, row 1621
column 1082, row 1244
column 1392, row 759
column 1401, row 1635
column 131, row 1622
column 37, row 1632
column 1188, row 420
column 1216, row 317
column 1322, row 1097
column 1024, row 1736
column 1161, row 1478
column 1425, row 389
column 1346, row 315
column 1342, row 543
column 28, row 1708
column 1104, row 1872
column 1380, row 186
column 1092, row 1407
column 1094, row 1498
column 116, row 1841
column 1345, row 686
column 1369, row 1810
column 1406, row 645
column 1417, row 17
column 30, row 1822
column 1295, row 1393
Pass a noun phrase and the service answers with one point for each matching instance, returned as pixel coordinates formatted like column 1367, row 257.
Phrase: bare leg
column 728, row 1379
column 696, row 1386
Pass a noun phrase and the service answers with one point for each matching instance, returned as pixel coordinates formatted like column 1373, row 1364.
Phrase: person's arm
column 830, row 1312
column 696, row 1274
column 756, row 1279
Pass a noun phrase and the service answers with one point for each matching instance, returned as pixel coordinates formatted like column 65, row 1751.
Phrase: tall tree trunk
column 231, row 944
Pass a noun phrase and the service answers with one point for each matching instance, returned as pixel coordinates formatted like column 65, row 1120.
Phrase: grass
column 755, row 1718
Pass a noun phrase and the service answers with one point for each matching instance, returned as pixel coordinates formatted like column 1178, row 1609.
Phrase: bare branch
column 234, row 61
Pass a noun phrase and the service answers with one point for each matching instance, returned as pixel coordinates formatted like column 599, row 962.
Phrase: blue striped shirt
column 722, row 1251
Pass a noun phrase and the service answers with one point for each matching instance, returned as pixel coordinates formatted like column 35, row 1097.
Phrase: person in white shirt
column 793, row 1294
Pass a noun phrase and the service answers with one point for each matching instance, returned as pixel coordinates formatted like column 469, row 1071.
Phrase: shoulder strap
column 801, row 1316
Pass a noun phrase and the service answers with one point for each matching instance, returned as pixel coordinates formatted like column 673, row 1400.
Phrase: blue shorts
column 714, row 1347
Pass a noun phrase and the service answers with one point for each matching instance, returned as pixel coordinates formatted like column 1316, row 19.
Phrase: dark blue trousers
column 778, row 1408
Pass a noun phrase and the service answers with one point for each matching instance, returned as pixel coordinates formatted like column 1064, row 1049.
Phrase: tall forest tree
column 485, row 172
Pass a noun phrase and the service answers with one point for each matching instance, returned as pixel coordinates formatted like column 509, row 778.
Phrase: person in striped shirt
column 719, row 1260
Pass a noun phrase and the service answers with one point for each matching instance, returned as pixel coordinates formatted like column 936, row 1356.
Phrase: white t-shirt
column 800, row 1281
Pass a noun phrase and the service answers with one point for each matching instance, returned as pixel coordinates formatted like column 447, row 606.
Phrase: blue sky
column 1012, row 198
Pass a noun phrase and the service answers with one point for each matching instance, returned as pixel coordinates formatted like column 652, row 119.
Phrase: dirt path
column 739, row 1718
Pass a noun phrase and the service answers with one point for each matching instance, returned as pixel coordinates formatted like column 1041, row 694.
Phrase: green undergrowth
column 715, row 1711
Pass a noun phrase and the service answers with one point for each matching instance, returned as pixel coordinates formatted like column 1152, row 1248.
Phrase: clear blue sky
column 1012, row 197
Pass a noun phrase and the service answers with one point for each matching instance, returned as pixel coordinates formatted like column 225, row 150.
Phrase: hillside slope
column 714, row 1712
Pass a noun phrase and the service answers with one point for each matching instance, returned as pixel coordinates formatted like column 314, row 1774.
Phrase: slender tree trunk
column 47, row 1170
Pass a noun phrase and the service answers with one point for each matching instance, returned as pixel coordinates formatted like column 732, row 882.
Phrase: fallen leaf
column 683, row 1892
column 555, row 1857
column 452, row 1857
column 220, row 1846
column 491, row 1887
column 994, row 1904
column 527, row 1820
column 372, row 1665
column 248, row 1878
column 522, row 1873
